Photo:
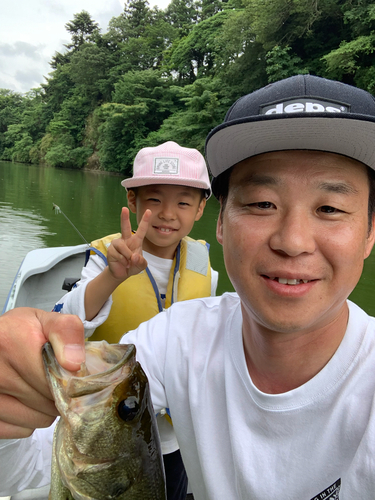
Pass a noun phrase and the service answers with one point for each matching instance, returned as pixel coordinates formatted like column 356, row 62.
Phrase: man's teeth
column 294, row 281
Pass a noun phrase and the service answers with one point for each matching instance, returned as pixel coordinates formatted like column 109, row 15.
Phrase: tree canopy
column 159, row 75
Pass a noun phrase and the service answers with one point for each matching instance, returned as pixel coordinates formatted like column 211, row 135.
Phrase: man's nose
column 294, row 235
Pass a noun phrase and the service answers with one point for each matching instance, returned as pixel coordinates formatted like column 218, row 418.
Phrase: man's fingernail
column 74, row 353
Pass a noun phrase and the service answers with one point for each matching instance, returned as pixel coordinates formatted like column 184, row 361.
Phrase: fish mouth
column 97, row 373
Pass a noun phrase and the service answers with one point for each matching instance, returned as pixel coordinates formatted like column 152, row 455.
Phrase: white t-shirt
column 314, row 442
column 160, row 270
column 240, row 443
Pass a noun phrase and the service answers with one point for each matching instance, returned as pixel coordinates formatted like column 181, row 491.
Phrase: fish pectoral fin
column 94, row 468
column 104, row 486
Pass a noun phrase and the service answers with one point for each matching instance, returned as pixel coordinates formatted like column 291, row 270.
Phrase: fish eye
column 128, row 409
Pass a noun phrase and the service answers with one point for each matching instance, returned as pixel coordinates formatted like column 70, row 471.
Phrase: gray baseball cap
column 300, row 112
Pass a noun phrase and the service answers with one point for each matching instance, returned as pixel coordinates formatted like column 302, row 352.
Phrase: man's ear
column 132, row 201
column 370, row 238
column 201, row 207
column 219, row 225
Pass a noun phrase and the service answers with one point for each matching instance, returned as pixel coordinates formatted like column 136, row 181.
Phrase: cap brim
column 346, row 134
column 178, row 181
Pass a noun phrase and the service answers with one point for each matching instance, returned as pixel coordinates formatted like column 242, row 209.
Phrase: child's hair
column 202, row 191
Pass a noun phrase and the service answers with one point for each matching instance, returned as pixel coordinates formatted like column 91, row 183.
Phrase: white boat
column 40, row 279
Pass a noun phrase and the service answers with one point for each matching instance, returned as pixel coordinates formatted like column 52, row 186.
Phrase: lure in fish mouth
column 106, row 443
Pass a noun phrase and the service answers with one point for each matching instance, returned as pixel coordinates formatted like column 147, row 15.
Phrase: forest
column 159, row 75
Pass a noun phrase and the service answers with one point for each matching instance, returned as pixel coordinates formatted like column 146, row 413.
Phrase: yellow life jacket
column 137, row 299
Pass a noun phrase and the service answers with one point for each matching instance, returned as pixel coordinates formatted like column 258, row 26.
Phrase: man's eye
column 263, row 204
column 327, row 209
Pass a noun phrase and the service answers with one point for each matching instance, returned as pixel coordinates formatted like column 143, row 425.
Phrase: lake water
column 92, row 201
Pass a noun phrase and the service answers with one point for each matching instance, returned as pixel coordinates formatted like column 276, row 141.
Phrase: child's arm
column 124, row 258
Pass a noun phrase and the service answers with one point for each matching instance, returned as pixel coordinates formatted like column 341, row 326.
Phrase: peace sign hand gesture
column 124, row 256
column 124, row 259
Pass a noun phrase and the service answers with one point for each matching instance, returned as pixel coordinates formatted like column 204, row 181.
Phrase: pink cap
column 169, row 163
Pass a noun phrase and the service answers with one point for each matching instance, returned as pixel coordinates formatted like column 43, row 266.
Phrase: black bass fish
column 106, row 443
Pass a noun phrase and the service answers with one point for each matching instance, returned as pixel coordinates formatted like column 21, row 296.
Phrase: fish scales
column 106, row 443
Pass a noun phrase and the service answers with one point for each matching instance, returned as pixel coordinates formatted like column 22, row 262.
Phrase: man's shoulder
column 197, row 323
column 220, row 305
column 359, row 315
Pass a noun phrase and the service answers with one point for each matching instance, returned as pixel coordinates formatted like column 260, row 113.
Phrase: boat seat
column 69, row 283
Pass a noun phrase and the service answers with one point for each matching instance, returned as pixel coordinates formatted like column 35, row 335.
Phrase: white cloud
column 21, row 48
column 31, row 31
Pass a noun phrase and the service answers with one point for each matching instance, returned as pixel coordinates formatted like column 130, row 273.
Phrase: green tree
column 12, row 105
column 17, row 143
column 182, row 15
column 353, row 60
column 132, row 22
column 59, row 87
column 59, row 59
column 89, row 70
column 194, row 56
column 204, row 108
column 70, row 69
column 142, row 100
column 21, row 148
column 281, row 63
column 208, row 8
column 139, row 37
column 67, row 132
column 36, row 115
column 60, row 149
column 83, row 29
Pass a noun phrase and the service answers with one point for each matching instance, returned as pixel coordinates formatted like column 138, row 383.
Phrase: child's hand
column 125, row 254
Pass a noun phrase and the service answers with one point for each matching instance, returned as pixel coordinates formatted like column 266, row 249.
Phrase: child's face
column 174, row 211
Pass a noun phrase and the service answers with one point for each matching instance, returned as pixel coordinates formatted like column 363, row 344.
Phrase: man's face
column 295, row 234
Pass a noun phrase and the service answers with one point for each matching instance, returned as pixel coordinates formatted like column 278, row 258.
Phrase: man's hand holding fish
column 25, row 398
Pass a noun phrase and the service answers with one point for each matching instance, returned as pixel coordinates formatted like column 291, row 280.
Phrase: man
column 271, row 390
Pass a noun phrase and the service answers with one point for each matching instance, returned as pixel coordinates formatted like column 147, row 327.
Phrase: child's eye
column 156, row 200
column 184, row 203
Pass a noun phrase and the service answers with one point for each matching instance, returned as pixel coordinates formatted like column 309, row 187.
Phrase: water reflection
column 19, row 232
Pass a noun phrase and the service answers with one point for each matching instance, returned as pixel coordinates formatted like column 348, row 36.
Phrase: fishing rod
column 58, row 210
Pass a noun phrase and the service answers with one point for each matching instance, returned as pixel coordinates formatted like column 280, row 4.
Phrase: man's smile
column 287, row 280
column 293, row 281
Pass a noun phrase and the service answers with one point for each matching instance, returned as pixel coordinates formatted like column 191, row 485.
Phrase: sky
column 31, row 31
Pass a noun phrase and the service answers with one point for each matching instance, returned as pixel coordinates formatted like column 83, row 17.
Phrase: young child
column 168, row 193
